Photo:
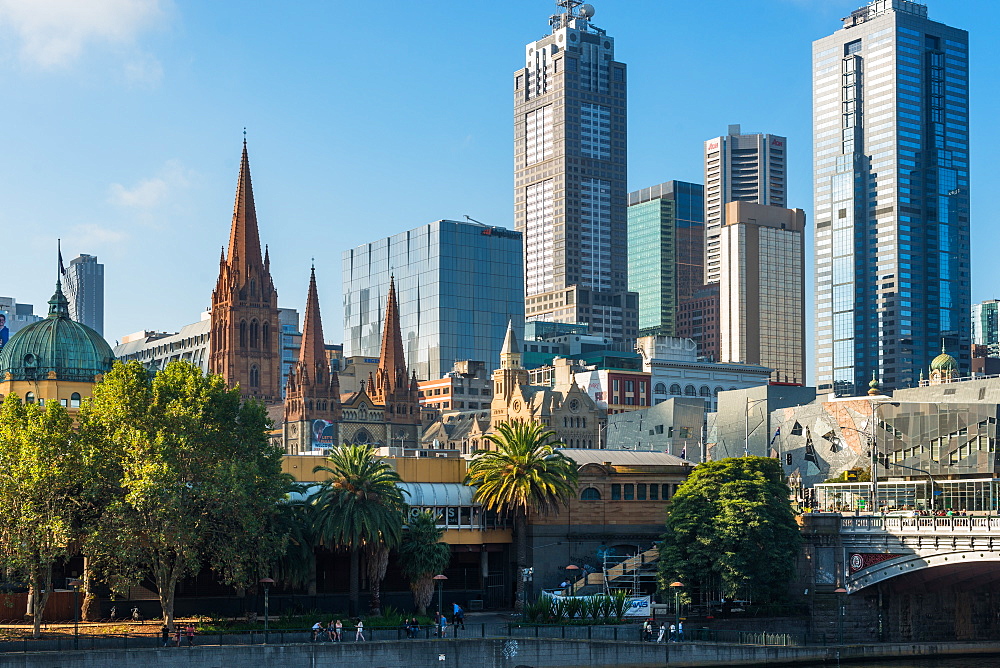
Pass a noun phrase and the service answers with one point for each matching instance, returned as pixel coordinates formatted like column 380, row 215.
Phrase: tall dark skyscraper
column 84, row 285
column 570, row 190
column 891, row 194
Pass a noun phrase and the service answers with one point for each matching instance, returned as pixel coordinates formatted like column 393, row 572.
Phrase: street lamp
column 746, row 423
column 441, row 579
column 677, row 606
column 75, row 584
column 571, row 577
column 840, row 591
column 267, row 582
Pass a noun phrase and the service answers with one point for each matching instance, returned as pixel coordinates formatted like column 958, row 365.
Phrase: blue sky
column 122, row 120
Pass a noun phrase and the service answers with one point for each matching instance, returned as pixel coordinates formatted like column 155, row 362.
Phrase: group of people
column 187, row 632
column 334, row 631
column 673, row 633
column 411, row 627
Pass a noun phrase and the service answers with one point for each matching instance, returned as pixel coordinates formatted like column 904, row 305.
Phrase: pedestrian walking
column 360, row 634
column 459, row 615
column 338, row 630
column 443, row 625
column 189, row 631
column 673, row 633
column 663, row 632
column 680, row 631
column 165, row 635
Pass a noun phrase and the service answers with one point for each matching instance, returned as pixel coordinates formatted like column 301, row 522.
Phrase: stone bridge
column 925, row 549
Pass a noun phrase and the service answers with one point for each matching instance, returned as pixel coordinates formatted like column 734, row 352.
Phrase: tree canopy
column 731, row 523
column 191, row 480
column 422, row 555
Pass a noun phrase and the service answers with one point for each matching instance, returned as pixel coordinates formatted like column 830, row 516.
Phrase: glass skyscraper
column 457, row 285
column 569, row 173
column 666, row 234
column 985, row 321
column 891, row 194
column 84, row 286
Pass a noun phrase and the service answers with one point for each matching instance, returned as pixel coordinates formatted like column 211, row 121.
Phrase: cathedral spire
column 392, row 362
column 510, row 353
column 312, row 353
column 244, row 239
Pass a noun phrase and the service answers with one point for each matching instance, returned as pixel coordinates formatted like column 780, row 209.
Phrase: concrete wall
column 492, row 653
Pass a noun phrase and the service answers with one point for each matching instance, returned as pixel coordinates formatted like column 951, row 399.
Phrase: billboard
column 322, row 434
column 4, row 331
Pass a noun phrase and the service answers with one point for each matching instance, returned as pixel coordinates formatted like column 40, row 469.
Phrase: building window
column 254, row 376
column 254, row 334
column 629, row 492
column 243, row 334
column 640, row 491
column 590, row 494
column 660, row 389
column 616, row 492
column 689, row 391
column 29, row 398
column 629, row 386
column 266, row 336
column 705, row 391
column 654, row 492
column 74, row 400
column 675, row 389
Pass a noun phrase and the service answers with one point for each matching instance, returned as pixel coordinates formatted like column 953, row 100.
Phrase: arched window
column 660, row 389
column 254, row 376
column 254, row 334
column 675, row 389
column 29, row 398
column 253, row 287
column 74, row 400
column 716, row 391
column 705, row 391
column 243, row 334
column 689, row 391
column 266, row 335
column 590, row 494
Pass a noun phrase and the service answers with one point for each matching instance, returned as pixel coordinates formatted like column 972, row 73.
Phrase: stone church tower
column 244, row 340
column 391, row 386
column 312, row 396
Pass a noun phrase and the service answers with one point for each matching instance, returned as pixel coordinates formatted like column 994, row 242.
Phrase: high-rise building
column 985, row 325
column 891, row 196
column 569, row 173
column 666, row 233
column 762, row 289
column 84, row 285
column 739, row 168
column 458, row 285
column 698, row 319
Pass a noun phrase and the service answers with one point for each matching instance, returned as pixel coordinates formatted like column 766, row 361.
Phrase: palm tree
column 422, row 555
column 359, row 508
column 297, row 566
column 524, row 474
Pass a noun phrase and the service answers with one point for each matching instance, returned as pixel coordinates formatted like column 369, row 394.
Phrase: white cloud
column 53, row 33
column 91, row 236
column 153, row 192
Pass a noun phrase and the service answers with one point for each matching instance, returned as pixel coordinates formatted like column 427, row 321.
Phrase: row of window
column 632, row 492
column 254, row 334
column 74, row 400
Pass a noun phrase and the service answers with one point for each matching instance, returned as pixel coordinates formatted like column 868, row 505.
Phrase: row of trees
column 166, row 475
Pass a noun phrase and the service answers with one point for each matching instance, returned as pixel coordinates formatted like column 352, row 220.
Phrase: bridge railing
column 976, row 524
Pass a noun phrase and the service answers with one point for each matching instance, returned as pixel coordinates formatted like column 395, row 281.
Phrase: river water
column 982, row 661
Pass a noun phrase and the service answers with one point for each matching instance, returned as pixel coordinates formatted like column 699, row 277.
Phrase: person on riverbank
column 673, row 633
column 360, row 633
column 680, row 631
column 189, row 631
column 331, row 631
column 165, row 635
column 317, row 629
column 663, row 632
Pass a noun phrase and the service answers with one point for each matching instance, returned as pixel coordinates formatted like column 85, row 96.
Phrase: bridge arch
column 972, row 564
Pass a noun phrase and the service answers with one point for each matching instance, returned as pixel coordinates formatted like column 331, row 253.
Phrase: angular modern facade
column 458, row 285
column 85, row 290
column 569, row 173
column 891, row 196
column 666, row 233
column 762, row 318
column 739, row 168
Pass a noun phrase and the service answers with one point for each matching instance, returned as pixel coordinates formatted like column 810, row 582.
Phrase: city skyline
column 151, row 197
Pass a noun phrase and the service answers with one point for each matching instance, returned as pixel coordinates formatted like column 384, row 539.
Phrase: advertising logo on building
column 322, row 434
column 4, row 331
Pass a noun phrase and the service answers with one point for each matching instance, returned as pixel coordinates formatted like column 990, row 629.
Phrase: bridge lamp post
column 677, row 586
column 440, row 580
column 840, row 591
column 75, row 584
column 571, row 577
column 267, row 583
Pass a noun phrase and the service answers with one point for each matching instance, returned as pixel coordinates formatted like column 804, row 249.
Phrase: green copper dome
column 944, row 362
column 72, row 350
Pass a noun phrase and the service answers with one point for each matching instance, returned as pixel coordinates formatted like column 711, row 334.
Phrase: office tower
column 458, row 284
column 739, row 168
column 698, row 319
column 762, row 289
column 569, row 191
column 985, row 330
column 666, row 234
column 84, row 285
column 891, row 197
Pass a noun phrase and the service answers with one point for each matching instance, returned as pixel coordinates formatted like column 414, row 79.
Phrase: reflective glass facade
column 985, row 331
column 666, row 235
column 457, row 285
column 891, row 195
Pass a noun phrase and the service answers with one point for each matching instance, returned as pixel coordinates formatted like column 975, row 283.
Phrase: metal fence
column 151, row 639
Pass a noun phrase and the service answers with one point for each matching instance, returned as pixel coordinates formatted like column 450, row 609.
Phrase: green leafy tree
column 296, row 567
column 732, row 523
column 422, row 555
column 192, row 480
column 524, row 474
column 40, row 474
column 359, row 508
